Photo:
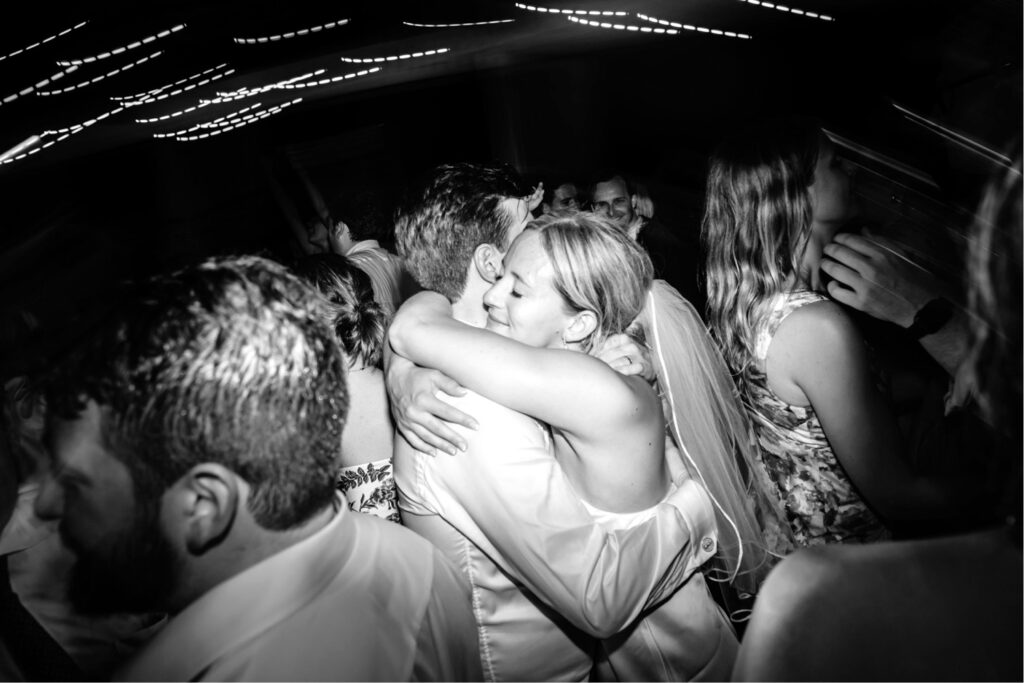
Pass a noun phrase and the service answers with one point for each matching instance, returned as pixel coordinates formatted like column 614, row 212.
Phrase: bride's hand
column 420, row 416
column 624, row 355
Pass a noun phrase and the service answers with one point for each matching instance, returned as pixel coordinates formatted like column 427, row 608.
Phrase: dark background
column 557, row 99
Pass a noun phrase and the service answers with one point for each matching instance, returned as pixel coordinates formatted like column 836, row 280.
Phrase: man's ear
column 580, row 327
column 634, row 202
column 208, row 496
column 487, row 261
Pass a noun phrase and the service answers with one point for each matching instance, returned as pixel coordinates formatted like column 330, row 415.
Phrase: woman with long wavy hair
column 776, row 195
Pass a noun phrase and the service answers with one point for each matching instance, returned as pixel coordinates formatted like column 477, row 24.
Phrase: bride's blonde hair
column 597, row 268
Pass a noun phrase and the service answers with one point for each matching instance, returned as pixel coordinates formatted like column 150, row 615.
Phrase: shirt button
column 707, row 544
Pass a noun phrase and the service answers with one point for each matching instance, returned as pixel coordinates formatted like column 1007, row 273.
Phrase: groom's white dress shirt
column 547, row 580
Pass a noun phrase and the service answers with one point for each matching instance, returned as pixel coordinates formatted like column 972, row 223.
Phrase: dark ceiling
column 110, row 187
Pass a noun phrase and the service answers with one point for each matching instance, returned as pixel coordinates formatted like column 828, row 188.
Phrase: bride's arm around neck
column 568, row 390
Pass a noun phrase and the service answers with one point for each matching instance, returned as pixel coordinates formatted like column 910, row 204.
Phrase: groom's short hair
column 446, row 217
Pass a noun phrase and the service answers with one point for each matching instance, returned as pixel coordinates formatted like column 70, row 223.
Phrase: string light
column 625, row 27
column 243, row 121
column 466, row 23
column 791, row 10
column 219, row 121
column 249, row 92
column 291, row 34
column 85, row 124
column 21, row 147
column 220, row 99
column 182, row 112
column 392, row 58
column 123, row 48
column 691, row 27
column 63, row 134
column 325, row 81
column 585, row 12
column 40, row 84
column 246, row 92
column 98, row 78
column 35, row 150
column 44, row 40
column 154, row 91
column 955, row 137
column 192, row 86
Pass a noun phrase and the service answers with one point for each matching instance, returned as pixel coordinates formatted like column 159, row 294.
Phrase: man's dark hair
column 607, row 176
column 455, row 210
column 231, row 361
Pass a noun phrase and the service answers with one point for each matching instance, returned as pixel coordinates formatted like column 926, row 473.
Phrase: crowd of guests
column 486, row 438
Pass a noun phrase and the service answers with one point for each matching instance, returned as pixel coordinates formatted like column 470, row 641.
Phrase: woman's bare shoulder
column 818, row 318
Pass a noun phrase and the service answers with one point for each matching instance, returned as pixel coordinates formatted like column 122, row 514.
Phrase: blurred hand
column 624, row 355
column 420, row 416
column 868, row 274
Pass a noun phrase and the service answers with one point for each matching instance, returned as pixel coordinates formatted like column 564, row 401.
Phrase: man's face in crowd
column 124, row 562
column 611, row 199
column 564, row 198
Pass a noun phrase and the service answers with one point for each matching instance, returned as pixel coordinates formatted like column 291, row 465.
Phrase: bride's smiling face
column 524, row 304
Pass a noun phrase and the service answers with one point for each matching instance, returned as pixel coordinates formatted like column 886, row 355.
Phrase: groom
column 547, row 581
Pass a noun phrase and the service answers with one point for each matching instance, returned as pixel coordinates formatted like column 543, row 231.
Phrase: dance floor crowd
column 481, row 435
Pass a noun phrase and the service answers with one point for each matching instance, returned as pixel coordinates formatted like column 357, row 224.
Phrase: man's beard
column 135, row 573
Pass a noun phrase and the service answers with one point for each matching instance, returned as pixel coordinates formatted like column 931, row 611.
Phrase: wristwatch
column 932, row 316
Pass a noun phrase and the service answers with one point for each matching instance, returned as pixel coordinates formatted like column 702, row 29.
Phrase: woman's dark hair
column 358, row 319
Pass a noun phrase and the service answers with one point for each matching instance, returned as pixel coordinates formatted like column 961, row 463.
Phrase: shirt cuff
column 695, row 507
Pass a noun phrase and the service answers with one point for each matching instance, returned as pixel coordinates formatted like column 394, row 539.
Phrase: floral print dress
column 817, row 497
column 370, row 488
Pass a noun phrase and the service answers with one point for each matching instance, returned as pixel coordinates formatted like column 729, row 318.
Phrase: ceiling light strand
column 155, row 91
column 215, row 123
column 76, row 86
column 63, row 134
column 625, row 27
column 394, row 58
column 459, row 25
column 691, row 27
column 181, row 112
column 578, row 12
column 291, row 34
column 192, row 86
column 45, row 40
column 242, row 122
column 85, row 124
column 790, row 10
column 32, row 88
column 248, row 92
column 123, row 48
column 324, row 81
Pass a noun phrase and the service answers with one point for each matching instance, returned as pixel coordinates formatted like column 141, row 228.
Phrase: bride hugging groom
column 584, row 500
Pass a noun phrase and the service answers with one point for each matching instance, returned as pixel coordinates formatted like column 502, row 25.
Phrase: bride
column 568, row 283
